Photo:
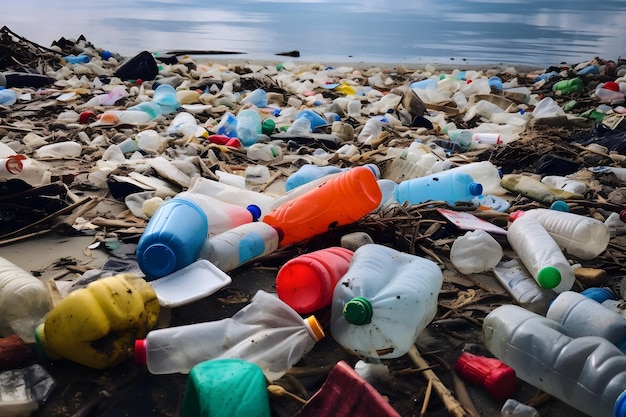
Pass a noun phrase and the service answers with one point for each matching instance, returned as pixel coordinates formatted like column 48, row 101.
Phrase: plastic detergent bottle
column 342, row 200
column 266, row 332
column 96, row 326
column 384, row 301
column 587, row 372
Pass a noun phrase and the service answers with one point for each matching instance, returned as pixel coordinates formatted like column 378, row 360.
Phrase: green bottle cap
column 358, row 311
column 268, row 126
column 549, row 277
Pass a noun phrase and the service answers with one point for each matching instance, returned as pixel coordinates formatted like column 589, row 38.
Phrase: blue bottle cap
column 620, row 405
column 475, row 188
column 157, row 260
column 559, row 205
column 255, row 211
column 599, row 294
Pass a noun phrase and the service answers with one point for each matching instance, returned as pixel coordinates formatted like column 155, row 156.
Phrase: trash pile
column 299, row 239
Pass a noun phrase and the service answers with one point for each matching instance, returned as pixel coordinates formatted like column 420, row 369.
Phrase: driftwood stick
column 454, row 407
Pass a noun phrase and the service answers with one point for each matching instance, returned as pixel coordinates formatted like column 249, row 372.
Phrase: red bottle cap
column 611, row 85
column 141, row 351
column 622, row 215
column 86, row 117
column 498, row 378
column 516, row 215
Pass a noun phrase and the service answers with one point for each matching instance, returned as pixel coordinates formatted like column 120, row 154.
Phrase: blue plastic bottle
column 313, row 117
column 308, row 173
column 172, row 239
column 451, row 187
column 248, row 126
column 228, row 125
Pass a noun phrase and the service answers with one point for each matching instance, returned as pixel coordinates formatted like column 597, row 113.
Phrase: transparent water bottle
column 266, row 332
column 384, row 301
column 248, row 126
column 587, row 372
column 24, row 301
column 540, row 254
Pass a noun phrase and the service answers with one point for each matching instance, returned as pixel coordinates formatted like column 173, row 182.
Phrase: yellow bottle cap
column 314, row 327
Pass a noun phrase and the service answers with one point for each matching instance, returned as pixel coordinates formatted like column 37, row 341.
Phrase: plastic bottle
column 226, row 388
column 172, row 238
column 244, row 243
column 95, row 326
column 384, row 301
column 581, row 316
column 266, row 332
column 8, row 97
column 309, row 172
column 522, row 287
column 24, row 301
column 265, row 152
column 165, row 97
column 616, row 224
column 307, row 282
column 588, row 372
column 256, row 98
column 565, row 183
column 314, row 118
column 222, row 216
column 513, row 408
column 184, row 124
column 118, row 117
column 475, row 251
column 577, row 235
column 248, row 126
column 540, row 254
column 574, row 85
column 535, row 189
column 227, row 125
column 65, row 149
column 461, row 137
column 370, row 131
column 451, row 187
column 23, row 390
column 343, row 199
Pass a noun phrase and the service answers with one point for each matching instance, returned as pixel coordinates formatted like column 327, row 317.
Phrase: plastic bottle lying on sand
column 451, row 187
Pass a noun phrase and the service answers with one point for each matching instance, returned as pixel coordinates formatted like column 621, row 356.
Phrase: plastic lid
column 622, row 215
column 620, row 405
column 255, row 211
column 268, row 126
column 314, row 327
column 559, row 205
column 549, row 277
column 498, row 378
column 611, row 85
column 475, row 188
column 141, row 351
column 158, row 260
column 358, row 311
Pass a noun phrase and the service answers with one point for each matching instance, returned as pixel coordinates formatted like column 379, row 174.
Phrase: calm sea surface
column 395, row 31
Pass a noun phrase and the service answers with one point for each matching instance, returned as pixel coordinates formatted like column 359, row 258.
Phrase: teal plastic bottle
column 451, row 187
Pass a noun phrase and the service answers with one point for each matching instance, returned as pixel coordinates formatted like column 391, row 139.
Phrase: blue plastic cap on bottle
column 620, row 405
column 475, row 188
column 599, row 294
column 255, row 211
column 559, row 205
column 159, row 260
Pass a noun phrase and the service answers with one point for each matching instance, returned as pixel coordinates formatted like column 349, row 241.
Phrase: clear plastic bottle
column 231, row 249
column 587, row 372
column 165, row 97
column 248, row 126
column 540, row 254
column 24, row 301
column 583, row 316
column 577, row 235
column 307, row 281
column 522, row 287
column 266, row 332
column 343, row 199
column 384, row 301
column 451, row 187
column 475, row 251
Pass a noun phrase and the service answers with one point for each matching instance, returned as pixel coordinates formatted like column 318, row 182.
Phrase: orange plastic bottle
column 342, row 200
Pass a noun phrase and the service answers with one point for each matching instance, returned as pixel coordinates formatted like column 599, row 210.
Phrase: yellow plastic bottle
column 97, row 326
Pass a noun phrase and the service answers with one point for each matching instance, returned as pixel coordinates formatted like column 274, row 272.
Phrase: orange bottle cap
column 314, row 327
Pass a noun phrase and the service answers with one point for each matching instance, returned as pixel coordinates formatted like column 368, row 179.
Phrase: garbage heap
column 297, row 238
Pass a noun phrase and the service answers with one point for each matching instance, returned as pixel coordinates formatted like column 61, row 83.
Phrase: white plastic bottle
column 565, row 183
column 24, row 301
column 580, row 236
column 540, row 254
column 588, row 372
column 384, row 301
column 583, row 316
column 484, row 173
column 475, row 251
column 231, row 249
column 266, row 332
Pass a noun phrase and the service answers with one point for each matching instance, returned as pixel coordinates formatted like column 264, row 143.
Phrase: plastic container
column 384, row 301
column 309, row 172
column 184, row 124
column 172, row 238
column 535, row 189
column 461, row 137
column 494, row 375
column 24, row 301
column 165, row 97
column 11, row 166
column 96, row 326
column 24, row 390
column 265, row 152
column 342, row 200
column 266, row 332
column 8, row 97
column 574, row 85
column 65, row 149
column 248, row 126
column 617, row 226
column 256, row 98
column 513, row 408
column 480, row 138
column 577, row 235
column 540, row 254
column 370, row 131
column 314, row 118
column 227, row 125
column 588, row 372
column 307, row 281
column 565, row 183
column 475, row 251
column 242, row 244
column 522, row 287
column 221, row 216
column 226, row 388
column 451, row 187
column 582, row 316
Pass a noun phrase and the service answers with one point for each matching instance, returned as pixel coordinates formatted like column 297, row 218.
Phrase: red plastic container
column 342, row 200
column 306, row 282
column 498, row 378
